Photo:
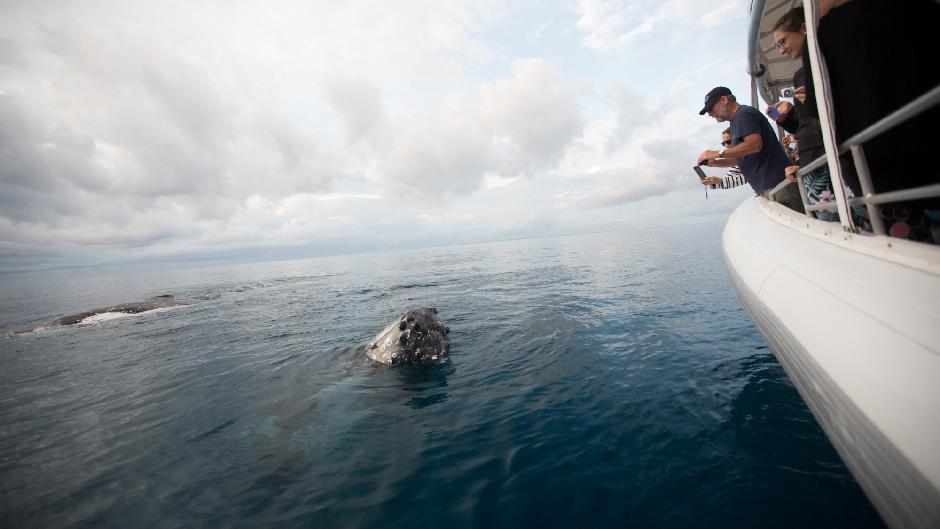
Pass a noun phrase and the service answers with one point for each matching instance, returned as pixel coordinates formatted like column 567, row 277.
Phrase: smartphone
column 698, row 170
column 773, row 112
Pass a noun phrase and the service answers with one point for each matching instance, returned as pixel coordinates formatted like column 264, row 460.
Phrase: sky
column 168, row 131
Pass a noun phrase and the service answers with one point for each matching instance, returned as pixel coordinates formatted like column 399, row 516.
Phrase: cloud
column 616, row 187
column 141, row 130
column 643, row 149
column 108, row 132
column 616, row 24
column 162, row 111
column 359, row 103
column 633, row 113
column 515, row 126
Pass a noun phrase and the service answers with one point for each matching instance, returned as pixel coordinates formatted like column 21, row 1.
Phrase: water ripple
column 594, row 380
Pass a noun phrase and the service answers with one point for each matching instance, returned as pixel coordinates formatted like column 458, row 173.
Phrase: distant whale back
column 157, row 302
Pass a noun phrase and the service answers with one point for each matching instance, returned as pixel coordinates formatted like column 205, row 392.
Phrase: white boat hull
column 854, row 321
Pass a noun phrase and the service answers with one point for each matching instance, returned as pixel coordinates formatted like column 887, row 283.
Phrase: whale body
column 158, row 302
column 418, row 335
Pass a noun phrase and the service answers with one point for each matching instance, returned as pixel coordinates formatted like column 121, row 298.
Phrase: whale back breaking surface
column 158, row 302
column 417, row 336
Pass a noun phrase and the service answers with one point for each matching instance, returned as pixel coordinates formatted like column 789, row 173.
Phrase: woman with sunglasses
column 790, row 37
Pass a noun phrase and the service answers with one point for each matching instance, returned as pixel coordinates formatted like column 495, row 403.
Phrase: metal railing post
column 864, row 179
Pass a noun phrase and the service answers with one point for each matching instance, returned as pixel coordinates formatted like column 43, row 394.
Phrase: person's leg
column 818, row 186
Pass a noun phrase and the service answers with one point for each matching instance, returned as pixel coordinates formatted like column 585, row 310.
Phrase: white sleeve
column 734, row 178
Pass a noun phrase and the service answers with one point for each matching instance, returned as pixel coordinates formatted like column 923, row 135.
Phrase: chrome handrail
column 901, row 195
column 869, row 197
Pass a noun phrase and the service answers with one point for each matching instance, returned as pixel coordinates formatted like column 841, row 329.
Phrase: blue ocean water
column 604, row 380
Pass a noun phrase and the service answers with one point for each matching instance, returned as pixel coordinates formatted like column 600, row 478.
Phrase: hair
column 727, row 131
column 732, row 98
column 791, row 21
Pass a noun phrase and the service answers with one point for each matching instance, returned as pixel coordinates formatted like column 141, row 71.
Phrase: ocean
column 602, row 380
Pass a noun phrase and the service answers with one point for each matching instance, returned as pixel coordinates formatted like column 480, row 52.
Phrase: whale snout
column 418, row 335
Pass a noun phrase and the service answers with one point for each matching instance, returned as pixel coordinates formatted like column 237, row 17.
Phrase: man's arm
column 714, row 159
column 751, row 144
column 723, row 162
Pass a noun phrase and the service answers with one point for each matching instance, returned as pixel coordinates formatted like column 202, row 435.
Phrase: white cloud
column 155, row 109
column 131, row 129
column 359, row 103
column 616, row 24
column 518, row 125
column 643, row 149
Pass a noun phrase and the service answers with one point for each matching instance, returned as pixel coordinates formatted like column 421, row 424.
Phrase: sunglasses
column 726, row 143
column 779, row 43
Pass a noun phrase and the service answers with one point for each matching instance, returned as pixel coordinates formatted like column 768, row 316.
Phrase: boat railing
column 854, row 145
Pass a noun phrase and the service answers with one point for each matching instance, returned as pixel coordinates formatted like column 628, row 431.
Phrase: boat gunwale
column 912, row 254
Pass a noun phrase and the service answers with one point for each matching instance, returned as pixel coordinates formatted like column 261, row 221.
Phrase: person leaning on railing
column 878, row 56
column 754, row 148
column 733, row 178
column 790, row 38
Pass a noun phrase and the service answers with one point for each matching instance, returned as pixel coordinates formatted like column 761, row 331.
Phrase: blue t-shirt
column 763, row 169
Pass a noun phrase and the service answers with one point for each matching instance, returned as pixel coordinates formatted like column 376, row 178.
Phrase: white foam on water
column 109, row 316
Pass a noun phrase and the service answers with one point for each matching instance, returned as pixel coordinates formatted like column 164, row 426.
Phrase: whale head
column 417, row 336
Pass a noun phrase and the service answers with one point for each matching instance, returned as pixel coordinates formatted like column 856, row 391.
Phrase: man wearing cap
column 754, row 148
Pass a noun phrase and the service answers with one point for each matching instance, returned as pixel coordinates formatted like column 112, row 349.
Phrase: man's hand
column 707, row 155
column 790, row 172
column 711, row 180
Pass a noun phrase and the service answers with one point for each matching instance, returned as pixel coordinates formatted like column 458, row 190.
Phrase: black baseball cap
column 712, row 97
